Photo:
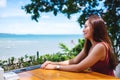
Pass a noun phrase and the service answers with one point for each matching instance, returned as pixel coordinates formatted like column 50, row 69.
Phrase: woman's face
column 87, row 31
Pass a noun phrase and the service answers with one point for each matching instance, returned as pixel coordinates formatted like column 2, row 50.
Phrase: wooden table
column 40, row 74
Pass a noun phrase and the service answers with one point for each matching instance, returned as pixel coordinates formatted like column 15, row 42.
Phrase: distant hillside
column 7, row 35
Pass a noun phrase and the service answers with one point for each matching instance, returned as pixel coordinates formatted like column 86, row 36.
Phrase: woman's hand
column 45, row 64
column 50, row 66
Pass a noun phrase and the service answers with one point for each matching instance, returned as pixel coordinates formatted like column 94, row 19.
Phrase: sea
column 17, row 46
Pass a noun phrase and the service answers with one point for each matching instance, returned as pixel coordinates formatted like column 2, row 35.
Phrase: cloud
column 3, row 3
column 14, row 13
column 45, row 17
column 66, row 27
column 42, row 28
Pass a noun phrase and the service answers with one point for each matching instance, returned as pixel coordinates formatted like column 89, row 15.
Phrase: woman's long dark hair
column 100, row 35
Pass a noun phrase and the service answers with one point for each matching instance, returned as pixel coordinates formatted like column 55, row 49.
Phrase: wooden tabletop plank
column 27, row 76
column 41, row 74
column 47, row 74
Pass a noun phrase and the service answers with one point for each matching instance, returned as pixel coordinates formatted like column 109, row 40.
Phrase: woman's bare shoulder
column 101, row 45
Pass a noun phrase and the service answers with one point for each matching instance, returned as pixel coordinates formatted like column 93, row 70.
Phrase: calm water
column 20, row 45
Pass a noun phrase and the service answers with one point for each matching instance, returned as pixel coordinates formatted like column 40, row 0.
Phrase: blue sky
column 15, row 20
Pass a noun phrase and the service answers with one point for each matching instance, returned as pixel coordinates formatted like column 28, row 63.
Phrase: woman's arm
column 75, row 60
column 97, row 54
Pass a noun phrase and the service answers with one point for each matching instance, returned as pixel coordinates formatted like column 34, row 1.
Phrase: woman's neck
column 93, row 43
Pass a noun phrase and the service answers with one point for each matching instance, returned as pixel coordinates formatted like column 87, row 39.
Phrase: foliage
column 78, row 47
column 112, row 17
column 75, row 50
column 109, row 10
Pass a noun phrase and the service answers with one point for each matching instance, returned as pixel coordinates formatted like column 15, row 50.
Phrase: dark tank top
column 103, row 66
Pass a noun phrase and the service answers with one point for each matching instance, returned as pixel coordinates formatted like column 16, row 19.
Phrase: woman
column 97, row 53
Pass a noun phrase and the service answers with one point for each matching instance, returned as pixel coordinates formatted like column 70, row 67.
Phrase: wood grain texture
column 41, row 74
